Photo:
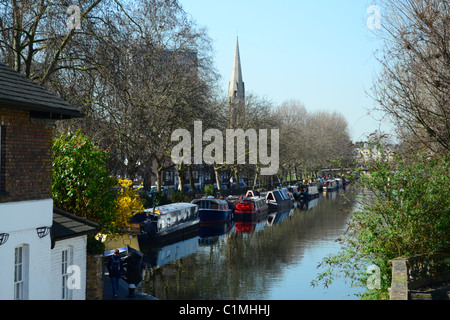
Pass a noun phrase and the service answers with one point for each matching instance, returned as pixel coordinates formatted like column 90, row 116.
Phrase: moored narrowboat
column 212, row 210
column 172, row 221
column 308, row 192
column 278, row 200
column 251, row 209
column 330, row 185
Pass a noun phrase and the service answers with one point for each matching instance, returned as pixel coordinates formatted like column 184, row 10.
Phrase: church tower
column 236, row 91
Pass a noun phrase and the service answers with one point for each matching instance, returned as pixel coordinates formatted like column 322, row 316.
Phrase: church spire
column 236, row 91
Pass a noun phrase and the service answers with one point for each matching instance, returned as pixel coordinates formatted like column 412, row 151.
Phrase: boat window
column 270, row 196
column 208, row 205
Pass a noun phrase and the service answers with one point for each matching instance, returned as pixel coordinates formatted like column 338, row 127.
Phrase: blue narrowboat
column 212, row 210
column 279, row 200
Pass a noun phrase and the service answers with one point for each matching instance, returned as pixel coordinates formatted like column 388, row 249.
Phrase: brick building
column 27, row 116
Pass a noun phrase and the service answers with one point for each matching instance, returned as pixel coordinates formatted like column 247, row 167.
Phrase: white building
column 68, row 255
column 27, row 116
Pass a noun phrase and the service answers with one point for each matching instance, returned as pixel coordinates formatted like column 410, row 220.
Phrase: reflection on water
column 274, row 259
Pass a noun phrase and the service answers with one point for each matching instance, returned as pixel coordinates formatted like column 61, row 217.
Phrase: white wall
column 20, row 220
column 77, row 250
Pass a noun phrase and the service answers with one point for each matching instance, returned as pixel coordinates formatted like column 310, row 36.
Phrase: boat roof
column 167, row 208
column 255, row 198
column 209, row 199
column 279, row 194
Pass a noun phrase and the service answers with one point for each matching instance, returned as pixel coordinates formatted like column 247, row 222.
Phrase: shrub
column 209, row 190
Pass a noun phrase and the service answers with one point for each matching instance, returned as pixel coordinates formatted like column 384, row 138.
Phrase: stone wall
column 418, row 271
column 94, row 277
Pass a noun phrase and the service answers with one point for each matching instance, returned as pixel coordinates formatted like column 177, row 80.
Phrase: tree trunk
column 159, row 172
column 181, row 177
column 217, row 175
column 191, row 179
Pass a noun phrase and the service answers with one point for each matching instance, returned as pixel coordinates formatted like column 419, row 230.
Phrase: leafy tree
column 403, row 209
column 81, row 181
column 128, row 203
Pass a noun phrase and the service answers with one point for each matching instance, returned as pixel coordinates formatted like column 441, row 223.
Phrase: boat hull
column 179, row 232
column 280, row 206
column 208, row 216
column 305, row 196
column 251, row 216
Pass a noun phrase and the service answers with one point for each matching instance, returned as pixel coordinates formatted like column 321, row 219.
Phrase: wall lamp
column 42, row 231
column 3, row 238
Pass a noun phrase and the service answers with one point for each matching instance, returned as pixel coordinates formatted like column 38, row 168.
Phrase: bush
column 159, row 199
column 209, row 190
column 94, row 246
column 403, row 210
column 177, row 196
column 81, row 181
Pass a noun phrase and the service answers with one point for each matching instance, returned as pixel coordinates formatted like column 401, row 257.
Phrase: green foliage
column 210, row 190
column 145, row 198
column 94, row 246
column 177, row 196
column 81, row 181
column 403, row 209
column 159, row 198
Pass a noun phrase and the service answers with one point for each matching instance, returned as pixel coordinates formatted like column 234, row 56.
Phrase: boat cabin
column 277, row 196
column 170, row 216
column 251, row 204
column 211, row 204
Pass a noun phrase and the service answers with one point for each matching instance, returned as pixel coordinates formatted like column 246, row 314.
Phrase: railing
column 418, row 271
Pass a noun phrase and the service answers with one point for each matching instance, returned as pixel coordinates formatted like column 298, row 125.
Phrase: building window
column 20, row 273
column 65, row 263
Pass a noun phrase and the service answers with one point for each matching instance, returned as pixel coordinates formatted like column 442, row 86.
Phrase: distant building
column 367, row 151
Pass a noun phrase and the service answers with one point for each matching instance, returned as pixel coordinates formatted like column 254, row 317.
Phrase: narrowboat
column 251, row 209
column 330, row 185
column 212, row 210
column 308, row 192
column 172, row 221
column 278, row 200
column 289, row 193
column 340, row 182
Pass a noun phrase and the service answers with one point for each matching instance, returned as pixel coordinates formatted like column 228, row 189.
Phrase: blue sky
column 318, row 52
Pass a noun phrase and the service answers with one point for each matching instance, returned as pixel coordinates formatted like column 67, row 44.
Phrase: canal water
column 272, row 260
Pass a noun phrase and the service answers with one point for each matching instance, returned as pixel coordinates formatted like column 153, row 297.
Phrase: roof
column 167, row 208
column 18, row 91
column 66, row 225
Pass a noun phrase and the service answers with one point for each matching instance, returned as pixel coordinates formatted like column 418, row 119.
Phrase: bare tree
column 414, row 86
column 310, row 142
